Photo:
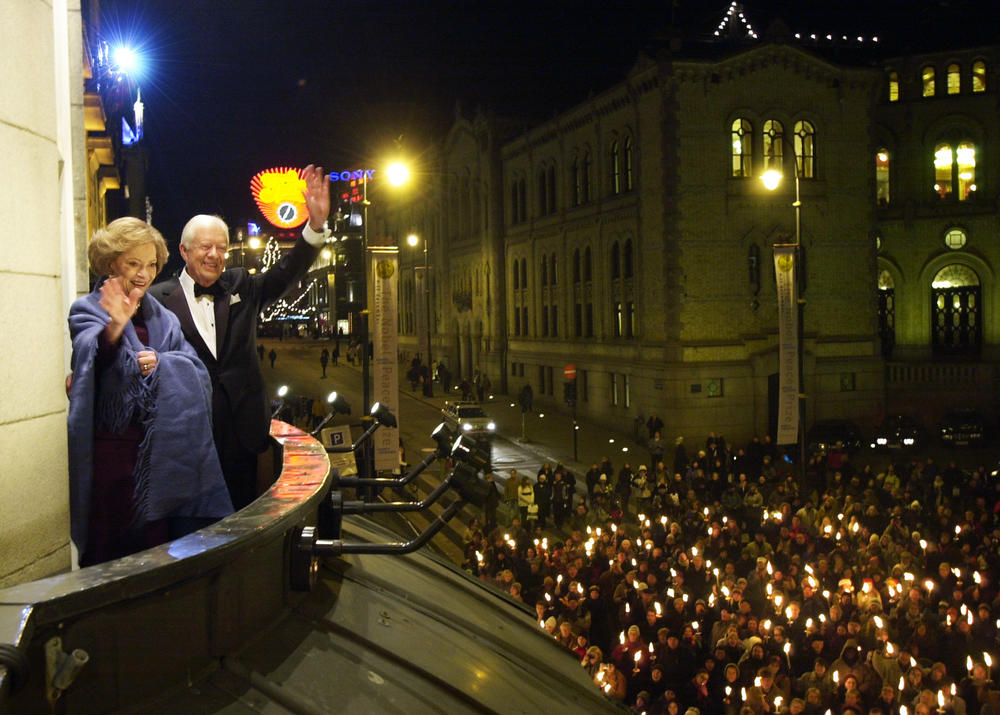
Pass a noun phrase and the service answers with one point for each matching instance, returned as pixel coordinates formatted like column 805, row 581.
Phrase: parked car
column 963, row 427
column 824, row 436
column 898, row 432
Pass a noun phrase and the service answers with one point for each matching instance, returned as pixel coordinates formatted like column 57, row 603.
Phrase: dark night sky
column 235, row 86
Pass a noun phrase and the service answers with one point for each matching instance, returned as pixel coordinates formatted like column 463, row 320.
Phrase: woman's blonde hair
column 119, row 236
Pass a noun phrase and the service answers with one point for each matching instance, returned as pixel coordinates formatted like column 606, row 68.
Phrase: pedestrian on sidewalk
column 510, row 488
column 335, row 355
column 525, row 498
column 593, row 474
column 543, row 498
column 272, row 356
column 656, row 449
column 623, row 487
column 260, row 352
column 491, row 504
column 324, row 358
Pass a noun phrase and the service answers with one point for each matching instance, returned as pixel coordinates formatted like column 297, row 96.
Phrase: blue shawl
column 177, row 472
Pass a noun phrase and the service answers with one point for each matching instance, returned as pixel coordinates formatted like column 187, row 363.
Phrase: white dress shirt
column 203, row 307
column 202, row 311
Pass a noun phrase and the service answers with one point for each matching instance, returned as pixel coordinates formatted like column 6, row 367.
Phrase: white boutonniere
column 234, row 299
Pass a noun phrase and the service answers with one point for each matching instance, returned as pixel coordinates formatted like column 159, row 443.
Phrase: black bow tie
column 214, row 290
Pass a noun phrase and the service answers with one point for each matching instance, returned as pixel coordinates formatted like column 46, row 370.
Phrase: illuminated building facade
column 631, row 236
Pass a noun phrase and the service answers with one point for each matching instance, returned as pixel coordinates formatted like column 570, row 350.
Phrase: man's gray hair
column 199, row 221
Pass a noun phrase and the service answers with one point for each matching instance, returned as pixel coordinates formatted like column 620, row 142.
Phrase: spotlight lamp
column 444, row 438
column 338, row 404
column 466, row 450
column 383, row 415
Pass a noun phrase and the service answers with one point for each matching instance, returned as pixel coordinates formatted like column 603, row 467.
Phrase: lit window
column 954, row 79
column 966, row 159
column 805, row 150
column 742, row 133
column 943, row 160
column 927, row 77
column 893, row 87
column 773, row 144
column 882, row 176
column 978, row 76
column 955, row 238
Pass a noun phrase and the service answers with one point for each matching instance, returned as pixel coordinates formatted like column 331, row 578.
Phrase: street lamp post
column 413, row 239
column 771, row 179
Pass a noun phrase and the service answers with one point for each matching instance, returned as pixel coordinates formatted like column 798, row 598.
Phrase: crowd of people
column 729, row 583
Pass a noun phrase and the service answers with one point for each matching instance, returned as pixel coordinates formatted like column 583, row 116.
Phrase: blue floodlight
column 125, row 59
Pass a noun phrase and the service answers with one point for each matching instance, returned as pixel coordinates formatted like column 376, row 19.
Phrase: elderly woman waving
column 143, row 467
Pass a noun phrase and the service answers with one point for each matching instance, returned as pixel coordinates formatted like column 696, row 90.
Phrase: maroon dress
column 111, row 534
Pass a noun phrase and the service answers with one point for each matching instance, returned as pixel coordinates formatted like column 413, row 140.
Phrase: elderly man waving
column 218, row 310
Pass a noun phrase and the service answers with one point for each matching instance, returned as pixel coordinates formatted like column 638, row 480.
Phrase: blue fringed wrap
column 177, row 473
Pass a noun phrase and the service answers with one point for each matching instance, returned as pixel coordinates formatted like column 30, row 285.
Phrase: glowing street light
column 398, row 174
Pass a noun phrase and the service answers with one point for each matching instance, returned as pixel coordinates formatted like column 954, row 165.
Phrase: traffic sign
column 570, row 371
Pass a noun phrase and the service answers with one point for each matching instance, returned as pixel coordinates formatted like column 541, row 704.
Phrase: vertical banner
column 420, row 295
column 788, row 344
column 382, row 316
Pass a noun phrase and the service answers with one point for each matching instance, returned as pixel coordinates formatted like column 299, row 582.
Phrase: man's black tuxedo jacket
column 237, row 383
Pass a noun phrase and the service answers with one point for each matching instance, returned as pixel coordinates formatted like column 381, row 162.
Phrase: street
column 549, row 435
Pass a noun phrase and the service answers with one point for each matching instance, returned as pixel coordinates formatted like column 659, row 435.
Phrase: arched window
column 742, row 133
column 886, row 312
column 576, row 265
column 978, row 76
column 805, row 149
column 585, row 178
column 927, row 78
column 545, row 271
column 587, row 265
column 543, row 201
column 628, row 258
column 552, row 270
column 616, row 261
column 773, row 146
column 574, row 177
column 628, row 165
column 882, row 176
column 514, row 213
column 965, row 158
column 616, row 169
column 893, row 86
column 955, row 170
column 522, row 198
column 524, row 272
column 517, row 275
column 551, row 176
column 954, row 78
column 956, row 320
column 943, row 160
